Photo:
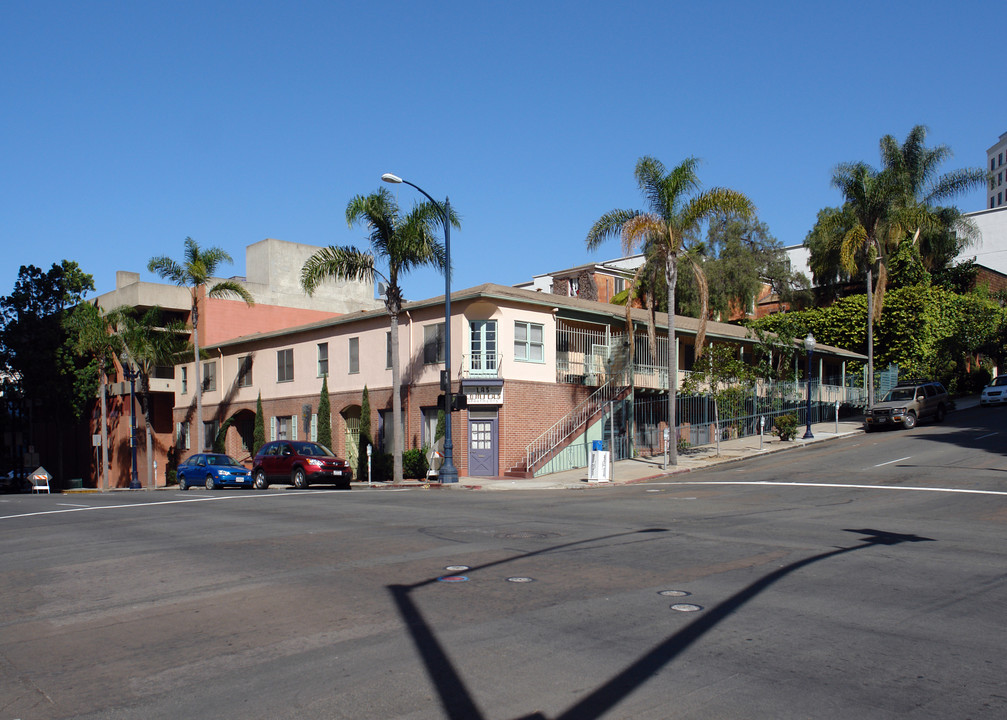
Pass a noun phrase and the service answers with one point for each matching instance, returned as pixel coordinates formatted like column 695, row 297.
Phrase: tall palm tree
column 402, row 242
column 194, row 272
column 917, row 168
column 147, row 342
column 873, row 199
column 675, row 207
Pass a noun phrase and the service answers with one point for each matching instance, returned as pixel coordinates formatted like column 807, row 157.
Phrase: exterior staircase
column 550, row 443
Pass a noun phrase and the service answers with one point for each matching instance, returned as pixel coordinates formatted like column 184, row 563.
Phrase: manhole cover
column 526, row 535
column 520, row 579
column 686, row 607
column 453, row 578
column 674, row 593
column 457, row 568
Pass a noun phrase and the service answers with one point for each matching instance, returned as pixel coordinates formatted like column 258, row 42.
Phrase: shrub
column 414, row 464
column 786, row 427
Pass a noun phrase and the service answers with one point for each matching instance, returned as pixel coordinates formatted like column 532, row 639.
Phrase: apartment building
column 526, row 361
column 996, row 195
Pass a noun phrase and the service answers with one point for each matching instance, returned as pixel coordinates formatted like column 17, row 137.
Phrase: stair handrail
column 567, row 425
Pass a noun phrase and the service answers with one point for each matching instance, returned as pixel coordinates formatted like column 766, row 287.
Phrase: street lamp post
column 131, row 374
column 447, row 473
column 809, row 345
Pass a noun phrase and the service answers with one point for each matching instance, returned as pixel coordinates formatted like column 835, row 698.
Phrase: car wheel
column 910, row 422
column 210, row 485
column 300, row 479
column 939, row 417
column 182, row 485
column 259, row 480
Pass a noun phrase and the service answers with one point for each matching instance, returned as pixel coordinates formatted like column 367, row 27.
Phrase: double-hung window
column 285, row 365
column 433, row 343
column 354, row 359
column 528, row 342
column 323, row 359
column 210, row 376
column 245, row 371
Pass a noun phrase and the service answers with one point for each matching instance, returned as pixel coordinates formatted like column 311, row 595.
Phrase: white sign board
column 599, row 466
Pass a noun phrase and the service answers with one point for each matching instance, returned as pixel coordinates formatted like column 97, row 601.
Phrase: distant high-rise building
column 997, row 194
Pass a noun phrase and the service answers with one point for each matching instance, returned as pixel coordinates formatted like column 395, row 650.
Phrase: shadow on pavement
column 459, row 704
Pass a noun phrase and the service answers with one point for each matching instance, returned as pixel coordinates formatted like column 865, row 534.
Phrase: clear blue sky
column 127, row 126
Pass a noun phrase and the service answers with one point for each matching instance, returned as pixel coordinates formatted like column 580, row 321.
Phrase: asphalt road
column 863, row 577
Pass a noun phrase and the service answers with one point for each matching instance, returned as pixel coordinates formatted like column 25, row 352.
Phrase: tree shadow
column 459, row 704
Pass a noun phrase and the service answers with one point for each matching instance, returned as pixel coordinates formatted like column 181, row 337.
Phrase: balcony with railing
column 481, row 365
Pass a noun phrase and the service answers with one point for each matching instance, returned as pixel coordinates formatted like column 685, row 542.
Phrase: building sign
column 484, row 394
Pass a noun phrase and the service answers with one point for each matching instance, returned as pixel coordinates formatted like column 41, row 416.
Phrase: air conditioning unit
column 382, row 289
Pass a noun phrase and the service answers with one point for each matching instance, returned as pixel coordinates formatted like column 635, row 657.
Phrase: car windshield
column 309, row 449
column 220, row 460
column 1002, row 380
column 899, row 394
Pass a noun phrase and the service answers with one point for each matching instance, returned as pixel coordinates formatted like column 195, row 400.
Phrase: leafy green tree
column 194, row 273
column 325, row 415
column 92, row 335
column 41, row 369
column 402, row 243
column 675, row 208
column 259, row 428
column 739, row 257
column 722, row 375
column 148, row 342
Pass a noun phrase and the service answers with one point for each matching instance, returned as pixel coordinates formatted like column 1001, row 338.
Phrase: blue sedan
column 212, row 471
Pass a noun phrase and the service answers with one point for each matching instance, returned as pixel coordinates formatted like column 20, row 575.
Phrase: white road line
column 156, row 503
column 72, row 505
column 893, row 461
column 983, row 437
column 833, row 486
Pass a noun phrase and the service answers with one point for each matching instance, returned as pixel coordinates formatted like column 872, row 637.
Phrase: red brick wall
column 529, row 409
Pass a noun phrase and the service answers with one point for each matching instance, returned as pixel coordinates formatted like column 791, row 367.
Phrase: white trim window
column 529, row 344
column 323, row 359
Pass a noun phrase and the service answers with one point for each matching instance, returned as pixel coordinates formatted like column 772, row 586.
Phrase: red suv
column 300, row 464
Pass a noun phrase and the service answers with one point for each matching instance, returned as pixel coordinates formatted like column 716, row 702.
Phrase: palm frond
column 166, row 268
column 226, row 288
column 337, row 263
column 608, row 226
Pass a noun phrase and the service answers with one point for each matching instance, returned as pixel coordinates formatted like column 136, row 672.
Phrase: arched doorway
column 351, row 418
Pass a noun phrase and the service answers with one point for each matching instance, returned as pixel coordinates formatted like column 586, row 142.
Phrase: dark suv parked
column 907, row 403
column 300, row 464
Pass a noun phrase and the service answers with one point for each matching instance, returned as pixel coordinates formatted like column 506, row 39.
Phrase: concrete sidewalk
column 640, row 469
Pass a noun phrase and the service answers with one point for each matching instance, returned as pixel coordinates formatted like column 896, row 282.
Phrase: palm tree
column 871, row 213
column 676, row 207
column 402, row 243
column 194, row 272
column 147, row 342
column 945, row 231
